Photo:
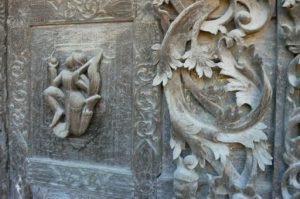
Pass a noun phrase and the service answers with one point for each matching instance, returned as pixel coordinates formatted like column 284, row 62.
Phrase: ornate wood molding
column 87, row 9
column 80, row 11
column 210, row 70
column 146, row 163
column 18, row 104
column 290, row 181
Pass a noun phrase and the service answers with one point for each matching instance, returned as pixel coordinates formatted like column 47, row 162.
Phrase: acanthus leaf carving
column 77, row 86
column 217, row 92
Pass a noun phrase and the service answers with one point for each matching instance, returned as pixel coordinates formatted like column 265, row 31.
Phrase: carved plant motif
column 77, row 87
column 290, row 185
column 86, row 9
column 206, row 58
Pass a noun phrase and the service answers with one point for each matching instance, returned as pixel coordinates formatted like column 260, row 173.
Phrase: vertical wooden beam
column 18, row 68
column 146, row 163
column 4, row 177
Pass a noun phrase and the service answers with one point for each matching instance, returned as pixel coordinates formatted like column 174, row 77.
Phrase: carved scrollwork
column 77, row 86
column 86, row 9
column 217, row 92
column 290, row 185
column 290, row 182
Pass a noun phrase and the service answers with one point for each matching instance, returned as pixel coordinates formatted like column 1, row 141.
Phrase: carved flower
column 202, row 64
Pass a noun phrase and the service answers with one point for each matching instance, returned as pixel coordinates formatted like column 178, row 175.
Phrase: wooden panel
column 31, row 40
column 108, row 139
column 125, row 152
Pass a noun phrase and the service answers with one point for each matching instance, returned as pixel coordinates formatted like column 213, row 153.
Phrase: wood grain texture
column 126, row 152
column 4, row 176
column 102, row 181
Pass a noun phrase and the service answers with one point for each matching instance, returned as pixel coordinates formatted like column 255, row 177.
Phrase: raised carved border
column 17, row 98
column 287, row 167
column 84, row 11
column 147, row 102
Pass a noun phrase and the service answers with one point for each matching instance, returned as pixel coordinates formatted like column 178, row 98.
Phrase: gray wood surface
column 187, row 110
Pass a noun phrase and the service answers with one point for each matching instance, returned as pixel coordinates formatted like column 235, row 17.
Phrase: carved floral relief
column 86, row 9
column 217, row 92
column 290, row 185
column 73, row 93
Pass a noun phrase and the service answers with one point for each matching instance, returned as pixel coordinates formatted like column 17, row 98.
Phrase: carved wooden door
column 145, row 99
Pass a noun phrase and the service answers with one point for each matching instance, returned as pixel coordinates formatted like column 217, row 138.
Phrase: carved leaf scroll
column 217, row 92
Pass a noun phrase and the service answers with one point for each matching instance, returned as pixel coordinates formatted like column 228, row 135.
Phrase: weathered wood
column 290, row 25
column 226, row 107
column 18, row 59
column 92, row 179
column 108, row 133
column 146, row 159
column 210, row 71
column 85, row 11
column 4, row 177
